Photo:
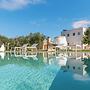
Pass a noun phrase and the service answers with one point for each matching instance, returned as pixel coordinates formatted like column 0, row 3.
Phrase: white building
column 61, row 42
column 74, row 37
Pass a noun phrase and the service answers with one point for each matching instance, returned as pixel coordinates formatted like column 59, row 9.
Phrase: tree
column 21, row 40
column 38, row 39
column 86, row 38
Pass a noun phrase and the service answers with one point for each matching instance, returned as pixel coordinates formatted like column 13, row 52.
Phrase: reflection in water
column 68, row 61
column 42, row 68
column 75, row 66
column 76, row 63
column 2, row 55
column 73, row 62
column 27, row 55
column 62, row 59
column 75, row 75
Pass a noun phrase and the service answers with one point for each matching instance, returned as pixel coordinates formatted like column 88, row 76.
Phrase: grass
column 80, row 50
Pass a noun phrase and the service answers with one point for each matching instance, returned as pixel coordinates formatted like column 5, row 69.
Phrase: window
column 78, row 33
column 73, row 34
column 67, row 35
column 68, row 66
column 74, row 67
column 68, row 44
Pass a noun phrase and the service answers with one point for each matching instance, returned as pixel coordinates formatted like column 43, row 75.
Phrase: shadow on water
column 74, row 76
column 70, row 81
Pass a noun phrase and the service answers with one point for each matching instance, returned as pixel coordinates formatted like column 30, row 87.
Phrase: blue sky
column 50, row 17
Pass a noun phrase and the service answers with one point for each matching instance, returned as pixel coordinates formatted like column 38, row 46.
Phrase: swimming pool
column 44, row 71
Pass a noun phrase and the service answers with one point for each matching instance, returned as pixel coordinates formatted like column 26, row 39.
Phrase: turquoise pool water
column 44, row 71
column 25, row 73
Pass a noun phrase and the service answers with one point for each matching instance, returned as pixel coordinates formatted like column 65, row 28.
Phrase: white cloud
column 17, row 4
column 82, row 23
